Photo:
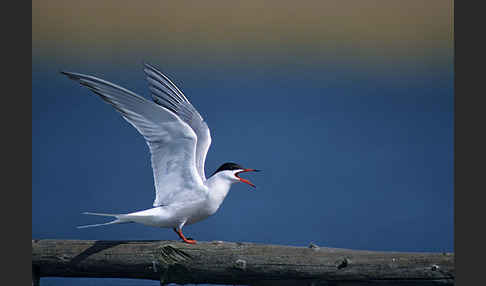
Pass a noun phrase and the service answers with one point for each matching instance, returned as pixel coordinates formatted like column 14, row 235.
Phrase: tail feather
column 102, row 214
column 119, row 219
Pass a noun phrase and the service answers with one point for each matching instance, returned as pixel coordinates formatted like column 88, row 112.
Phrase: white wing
column 171, row 141
column 165, row 93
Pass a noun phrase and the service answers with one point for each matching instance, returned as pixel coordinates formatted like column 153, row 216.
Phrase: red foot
column 190, row 241
column 179, row 232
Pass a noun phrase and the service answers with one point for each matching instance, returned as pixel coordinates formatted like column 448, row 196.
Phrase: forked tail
column 120, row 218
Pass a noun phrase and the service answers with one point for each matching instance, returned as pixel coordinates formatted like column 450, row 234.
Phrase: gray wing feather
column 166, row 94
column 171, row 141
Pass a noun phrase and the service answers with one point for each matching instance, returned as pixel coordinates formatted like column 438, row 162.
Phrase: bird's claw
column 190, row 241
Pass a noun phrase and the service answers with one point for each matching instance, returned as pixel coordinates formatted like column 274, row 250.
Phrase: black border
column 469, row 144
column 17, row 142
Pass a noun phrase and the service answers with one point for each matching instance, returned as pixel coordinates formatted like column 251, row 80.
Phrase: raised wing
column 171, row 141
column 166, row 94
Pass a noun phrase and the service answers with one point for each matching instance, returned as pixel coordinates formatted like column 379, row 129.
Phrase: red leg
column 179, row 232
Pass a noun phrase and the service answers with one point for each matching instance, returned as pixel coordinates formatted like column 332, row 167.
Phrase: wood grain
column 220, row 262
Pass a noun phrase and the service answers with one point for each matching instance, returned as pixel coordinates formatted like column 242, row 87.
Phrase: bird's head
column 232, row 171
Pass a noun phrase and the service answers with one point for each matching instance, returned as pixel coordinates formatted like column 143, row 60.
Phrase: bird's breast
column 201, row 212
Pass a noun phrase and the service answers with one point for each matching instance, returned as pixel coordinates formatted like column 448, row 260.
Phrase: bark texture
column 220, row 262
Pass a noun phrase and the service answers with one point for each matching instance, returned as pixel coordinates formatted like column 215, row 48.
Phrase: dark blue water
column 350, row 159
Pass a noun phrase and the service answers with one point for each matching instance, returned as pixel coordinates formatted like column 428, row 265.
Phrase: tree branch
column 238, row 263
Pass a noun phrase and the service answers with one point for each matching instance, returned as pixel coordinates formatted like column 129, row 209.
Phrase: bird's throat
column 218, row 189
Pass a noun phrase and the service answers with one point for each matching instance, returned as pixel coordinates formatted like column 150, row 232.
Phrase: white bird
column 178, row 140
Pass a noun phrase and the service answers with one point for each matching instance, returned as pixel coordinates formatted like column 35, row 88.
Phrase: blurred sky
column 346, row 106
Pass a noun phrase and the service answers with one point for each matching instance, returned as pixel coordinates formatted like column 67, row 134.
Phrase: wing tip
column 73, row 75
column 66, row 73
column 148, row 66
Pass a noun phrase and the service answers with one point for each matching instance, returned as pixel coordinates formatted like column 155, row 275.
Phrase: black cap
column 228, row 166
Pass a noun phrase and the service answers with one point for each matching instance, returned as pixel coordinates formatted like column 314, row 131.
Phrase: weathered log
column 238, row 263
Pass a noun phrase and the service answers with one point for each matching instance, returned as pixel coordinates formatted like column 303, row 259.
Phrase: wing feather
column 172, row 142
column 166, row 93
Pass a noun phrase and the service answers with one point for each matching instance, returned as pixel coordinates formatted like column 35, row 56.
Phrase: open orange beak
column 245, row 180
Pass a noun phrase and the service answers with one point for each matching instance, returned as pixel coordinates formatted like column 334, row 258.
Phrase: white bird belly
column 172, row 216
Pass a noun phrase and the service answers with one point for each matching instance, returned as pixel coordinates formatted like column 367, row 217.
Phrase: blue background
column 354, row 155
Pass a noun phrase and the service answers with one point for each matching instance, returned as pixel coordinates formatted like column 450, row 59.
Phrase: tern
column 178, row 139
